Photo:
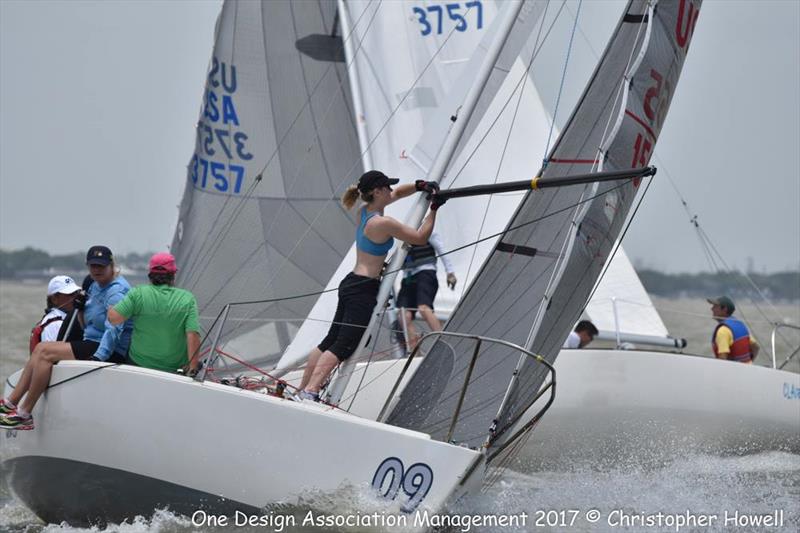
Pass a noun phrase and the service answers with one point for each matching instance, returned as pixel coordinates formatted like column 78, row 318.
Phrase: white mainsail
column 406, row 137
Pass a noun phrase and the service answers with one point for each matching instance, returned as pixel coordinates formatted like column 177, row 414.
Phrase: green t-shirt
column 162, row 315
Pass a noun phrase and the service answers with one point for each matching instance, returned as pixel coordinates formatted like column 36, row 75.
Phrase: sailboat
column 631, row 399
column 265, row 141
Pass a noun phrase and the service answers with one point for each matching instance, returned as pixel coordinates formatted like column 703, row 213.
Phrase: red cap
column 163, row 262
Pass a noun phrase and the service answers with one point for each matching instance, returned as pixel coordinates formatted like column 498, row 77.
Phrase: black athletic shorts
column 419, row 289
column 84, row 350
column 358, row 296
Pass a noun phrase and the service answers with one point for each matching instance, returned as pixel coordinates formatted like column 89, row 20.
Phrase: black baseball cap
column 373, row 179
column 99, row 255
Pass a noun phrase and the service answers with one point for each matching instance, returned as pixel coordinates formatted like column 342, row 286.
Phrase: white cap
column 62, row 285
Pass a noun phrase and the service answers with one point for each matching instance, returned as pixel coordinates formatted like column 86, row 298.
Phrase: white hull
column 613, row 406
column 122, row 441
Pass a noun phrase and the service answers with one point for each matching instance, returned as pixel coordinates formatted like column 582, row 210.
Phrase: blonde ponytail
column 350, row 196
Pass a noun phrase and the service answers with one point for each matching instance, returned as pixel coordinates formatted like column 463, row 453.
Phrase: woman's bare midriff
column 368, row 265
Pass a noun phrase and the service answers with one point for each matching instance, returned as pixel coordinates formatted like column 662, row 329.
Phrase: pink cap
column 163, row 262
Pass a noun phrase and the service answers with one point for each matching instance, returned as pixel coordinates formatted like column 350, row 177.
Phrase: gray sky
column 98, row 102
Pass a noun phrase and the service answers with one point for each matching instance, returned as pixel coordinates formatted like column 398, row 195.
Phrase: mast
column 348, row 35
column 414, row 217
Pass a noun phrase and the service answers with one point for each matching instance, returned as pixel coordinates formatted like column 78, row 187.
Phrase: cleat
column 5, row 407
column 16, row 421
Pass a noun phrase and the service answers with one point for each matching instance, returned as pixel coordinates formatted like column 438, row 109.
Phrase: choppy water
column 684, row 487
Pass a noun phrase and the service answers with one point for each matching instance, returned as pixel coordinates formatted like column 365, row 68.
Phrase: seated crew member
column 584, row 333
column 165, row 325
column 420, row 284
column 61, row 294
column 731, row 339
column 358, row 291
column 101, row 341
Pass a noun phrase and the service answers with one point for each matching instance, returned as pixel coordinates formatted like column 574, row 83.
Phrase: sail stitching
column 225, row 229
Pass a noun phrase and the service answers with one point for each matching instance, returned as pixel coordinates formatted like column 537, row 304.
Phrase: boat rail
column 775, row 329
column 549, row 386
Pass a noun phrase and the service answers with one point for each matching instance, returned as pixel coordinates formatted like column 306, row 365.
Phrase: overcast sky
column 98, row 102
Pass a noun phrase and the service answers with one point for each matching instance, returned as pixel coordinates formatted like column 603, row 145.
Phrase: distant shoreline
column 31, row 264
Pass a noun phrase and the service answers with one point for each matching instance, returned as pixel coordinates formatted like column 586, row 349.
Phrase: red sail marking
column 575, row 161
column 642, row 123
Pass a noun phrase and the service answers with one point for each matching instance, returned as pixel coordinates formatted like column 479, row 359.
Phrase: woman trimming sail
column 358, row 291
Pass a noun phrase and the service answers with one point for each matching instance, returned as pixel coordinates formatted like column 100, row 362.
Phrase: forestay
column 276, row 140
column 533, row 286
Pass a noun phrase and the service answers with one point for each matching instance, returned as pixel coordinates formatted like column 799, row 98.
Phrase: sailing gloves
column 437, row 202
column 430, row 187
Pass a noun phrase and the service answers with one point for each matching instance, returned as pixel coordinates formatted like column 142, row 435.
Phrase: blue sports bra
column 362, row 241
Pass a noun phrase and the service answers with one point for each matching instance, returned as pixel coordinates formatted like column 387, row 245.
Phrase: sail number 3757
column 432, row 17
column 222, row 177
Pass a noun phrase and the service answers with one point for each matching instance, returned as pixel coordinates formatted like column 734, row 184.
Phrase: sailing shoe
column 16, row 421
column 5, row 407
column 305, row 395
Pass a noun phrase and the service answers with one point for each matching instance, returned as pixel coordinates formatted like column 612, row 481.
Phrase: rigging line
column 561, row 86
column 606, row 139
column 512, row 452
column 225, row 228
column 752, row 283
column 536, row 48
column 535, row 374
column 467, row 413
column 56, row 384
column 192, row 266
column 508, row 100
column 372, row 141
column 473, row 243
column 729, row 272
column 294, row 179
column 618, row 243
column 377, row 377
column 703, row 238
column 375, row 137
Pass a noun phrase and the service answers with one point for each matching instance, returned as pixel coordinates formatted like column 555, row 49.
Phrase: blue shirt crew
column 98, row 329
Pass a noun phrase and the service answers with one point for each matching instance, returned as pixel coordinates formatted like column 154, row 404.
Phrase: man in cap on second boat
column 731, row 339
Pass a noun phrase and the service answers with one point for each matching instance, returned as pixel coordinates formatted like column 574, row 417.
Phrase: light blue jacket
column 98, row 328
